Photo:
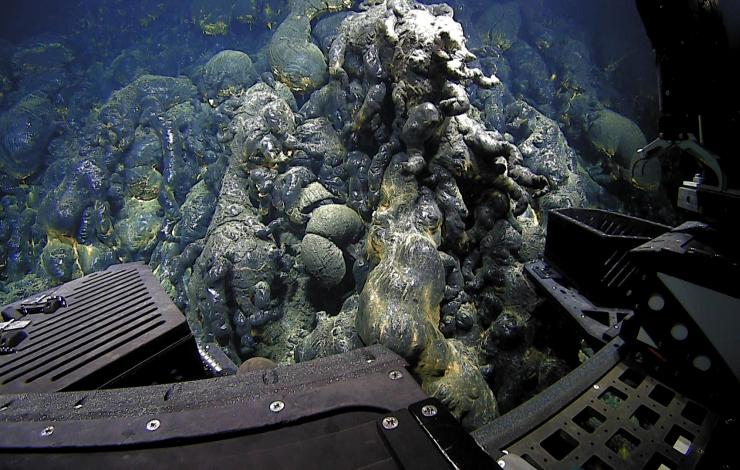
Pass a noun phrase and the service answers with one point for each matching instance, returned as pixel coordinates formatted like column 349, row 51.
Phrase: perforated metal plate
column 113, row 320
column 625, row 420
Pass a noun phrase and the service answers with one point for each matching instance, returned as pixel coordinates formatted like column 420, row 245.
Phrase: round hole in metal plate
column 679, row 332
column 703, row 363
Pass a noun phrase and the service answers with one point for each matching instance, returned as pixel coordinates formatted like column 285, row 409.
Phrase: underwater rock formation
column 618, row 139
column 546, row 152
column 330, row 229
column 337, row 223
column 332, row 334
column 277, row 233
column 121, row 188
column 368, row 179
column 546, row 60
column 294, row 58
column 323, row 260
column 42, row 66
column 230, row 289
column 499, row 24
column 387, row 191
column 216, row 17
column 213, row 18
column 435, row 143
column 226, row 73
column 147, row 96
column 26, row 130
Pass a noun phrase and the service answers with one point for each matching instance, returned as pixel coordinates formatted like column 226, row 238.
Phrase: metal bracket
column 659, row 146
column 43, row 304
column 427, row 436
column 601, row 323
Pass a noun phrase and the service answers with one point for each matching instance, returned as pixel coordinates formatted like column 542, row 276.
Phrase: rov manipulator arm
column 698, row 98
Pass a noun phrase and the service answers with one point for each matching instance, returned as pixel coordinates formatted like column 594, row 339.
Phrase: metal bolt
column 596, row 387
column 429, row 410
column 153, row 425
column 47, row 431
column 390, row 422
column 501, row 463
column 395, row 374
column 277, row 406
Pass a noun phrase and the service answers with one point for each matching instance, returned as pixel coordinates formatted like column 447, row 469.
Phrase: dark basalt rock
column 26, row 130
column 226, row 73
column 332, row 334
column 337, row 223
column 323, row 260
column 294, row 59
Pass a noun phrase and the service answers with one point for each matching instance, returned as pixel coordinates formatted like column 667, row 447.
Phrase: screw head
column 596, row 387
column 277, row 406
column 429, row 410
column 501, row 463
column 47, row 431
column 395, row 374
column 390, row 422
column 153, row 425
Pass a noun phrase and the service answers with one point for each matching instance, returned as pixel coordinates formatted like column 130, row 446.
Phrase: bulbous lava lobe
column 294, row 58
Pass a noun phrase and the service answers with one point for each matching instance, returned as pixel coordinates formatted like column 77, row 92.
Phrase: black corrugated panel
column 113, row 322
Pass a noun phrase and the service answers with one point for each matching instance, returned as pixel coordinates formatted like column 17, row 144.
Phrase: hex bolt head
column 390, row 422
column 47, row 431
column 153, row 425
column 395, row 374
column 277, row 406
column 429, row 411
